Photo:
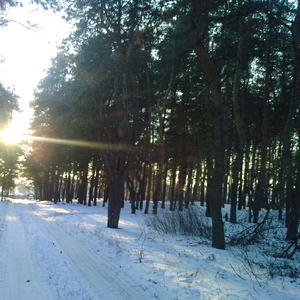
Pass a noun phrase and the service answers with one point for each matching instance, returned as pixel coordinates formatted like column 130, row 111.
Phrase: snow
column 65, row 251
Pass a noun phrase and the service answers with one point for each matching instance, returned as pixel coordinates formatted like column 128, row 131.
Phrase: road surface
column 24, row 276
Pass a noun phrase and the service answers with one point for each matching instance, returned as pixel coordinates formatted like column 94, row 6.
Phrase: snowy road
column 19, row 279
column 22, row 276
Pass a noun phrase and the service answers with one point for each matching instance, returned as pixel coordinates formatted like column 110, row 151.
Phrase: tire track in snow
column 96, row 276
column 2, row 217
column 19, row 279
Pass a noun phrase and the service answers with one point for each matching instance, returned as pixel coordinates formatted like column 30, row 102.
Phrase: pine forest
column 171, row 104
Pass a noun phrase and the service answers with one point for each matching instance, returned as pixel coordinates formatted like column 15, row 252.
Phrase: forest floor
column 65, row 252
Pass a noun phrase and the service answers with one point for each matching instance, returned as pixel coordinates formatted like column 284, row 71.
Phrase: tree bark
column 294, row 212
column 262, row 186
column 116, row 191
column 146, row 211
column 92, row 184
column 96, row 183
column 238, row 122
column 217, row 126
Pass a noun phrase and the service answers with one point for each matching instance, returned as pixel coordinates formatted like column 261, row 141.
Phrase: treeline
column 9, row 153
column 173, row 101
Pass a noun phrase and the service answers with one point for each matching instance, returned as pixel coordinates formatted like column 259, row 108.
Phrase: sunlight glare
column 12, row 135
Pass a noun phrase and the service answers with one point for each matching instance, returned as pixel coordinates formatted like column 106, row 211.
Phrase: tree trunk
column 158, row 192
column 294, row 215
column 188, row 193
column 56, row 194
column 217, row 124
column 262, row 185
column 173, row 188
column 148, row 197
column 83, row 183
column 181, row 182
column 238, row 121
column 95, row 197
column 116, row 194
column 132, row 192
column 116, row 182
column 164, row 186
column 68, row 187
column 46, row 194
column 234, row 188
column 244, row 187
column 92, row 184
column 195, row 193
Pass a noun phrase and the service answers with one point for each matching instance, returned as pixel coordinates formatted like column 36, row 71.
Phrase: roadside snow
column 66, row 252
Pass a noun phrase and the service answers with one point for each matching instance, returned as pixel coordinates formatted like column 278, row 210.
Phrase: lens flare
column 85, row 144
column 12, row 135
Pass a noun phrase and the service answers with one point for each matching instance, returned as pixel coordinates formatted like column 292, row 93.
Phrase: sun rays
column 12, row 135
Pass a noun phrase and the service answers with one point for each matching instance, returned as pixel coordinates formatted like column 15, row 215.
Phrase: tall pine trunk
column 116, row 195
column 217, row 123
column 294, row 214
column 260, row 197
column 238, row 122
column 116, row 182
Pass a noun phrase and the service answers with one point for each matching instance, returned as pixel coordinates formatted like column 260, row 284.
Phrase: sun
column 12, row 134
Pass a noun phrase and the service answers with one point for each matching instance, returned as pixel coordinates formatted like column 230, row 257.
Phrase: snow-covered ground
column 66, row 252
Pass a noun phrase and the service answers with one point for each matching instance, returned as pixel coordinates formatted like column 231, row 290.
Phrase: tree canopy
column 198, row 100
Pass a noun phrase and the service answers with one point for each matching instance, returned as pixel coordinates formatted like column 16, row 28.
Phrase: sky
column 26, row 53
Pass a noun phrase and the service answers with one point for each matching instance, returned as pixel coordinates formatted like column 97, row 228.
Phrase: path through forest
column 21, row 276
